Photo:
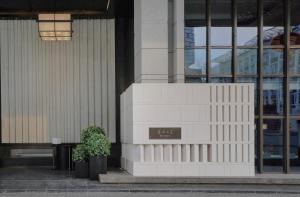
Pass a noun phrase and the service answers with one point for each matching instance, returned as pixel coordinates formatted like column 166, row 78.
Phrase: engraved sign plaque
column 166, row 133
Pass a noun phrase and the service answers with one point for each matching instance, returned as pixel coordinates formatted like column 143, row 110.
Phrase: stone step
column 122, row 177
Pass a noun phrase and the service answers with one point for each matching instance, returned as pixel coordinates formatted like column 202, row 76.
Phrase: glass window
column 273, row 96
column 195, row 24
column 295, row 23
column 221, row 80
column 221, row 23
column 273, row 145
column 247, row 80
column 273, row 22
column 195, row 79
column 294, row 64
column 195, row 62
column 294, row 96
column 273, row 61
column 247, row 23
column 221, row 61
column 247, row 61
column 295, row 145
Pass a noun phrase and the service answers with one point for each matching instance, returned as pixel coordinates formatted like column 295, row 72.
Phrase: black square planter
column 97, row 165
column 81, row 169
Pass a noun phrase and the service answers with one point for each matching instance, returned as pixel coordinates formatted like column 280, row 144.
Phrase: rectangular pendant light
column 55, row 26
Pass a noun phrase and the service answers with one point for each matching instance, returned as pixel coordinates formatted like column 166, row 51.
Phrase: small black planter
column 81, row 169
column 97, row 165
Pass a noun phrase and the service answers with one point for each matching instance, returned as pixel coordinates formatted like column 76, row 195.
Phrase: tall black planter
column 97, row 165
column 62, row 157
column 81, row 169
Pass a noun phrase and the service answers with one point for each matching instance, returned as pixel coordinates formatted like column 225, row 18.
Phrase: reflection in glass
column 221, row 61
column 247, row 80
column 195, row 24
column 195, row 79
column 247, row 23
column 273, row 36
column 273, row 22
column 221, row 36
column 273, row 145
column 273, row 96
column 195, row 62
column 254, row 81
column 221, row 80
column 294, row 64
column 273, row 61
column 247, row 61
column 294, row 87
column 295, row 23
column 221, row 23
column 246, row 36
column 194, row 37
column 295, row 145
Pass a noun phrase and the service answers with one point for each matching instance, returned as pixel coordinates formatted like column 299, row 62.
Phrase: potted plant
column 98, row 148
column 80, row 158
column 86, row 133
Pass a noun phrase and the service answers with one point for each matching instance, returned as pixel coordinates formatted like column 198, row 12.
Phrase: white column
column 178, row 70
column 151, row 41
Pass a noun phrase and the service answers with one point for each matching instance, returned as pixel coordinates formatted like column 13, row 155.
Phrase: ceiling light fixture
column 55, row 26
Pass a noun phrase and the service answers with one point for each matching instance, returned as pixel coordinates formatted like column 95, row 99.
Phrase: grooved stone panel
column 216, row 122
column 54, row 89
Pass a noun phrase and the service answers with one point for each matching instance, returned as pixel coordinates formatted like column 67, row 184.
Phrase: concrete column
column 151, row 41
column 178, row 65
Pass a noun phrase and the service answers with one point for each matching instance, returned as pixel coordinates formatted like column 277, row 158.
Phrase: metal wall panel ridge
column 55, row 89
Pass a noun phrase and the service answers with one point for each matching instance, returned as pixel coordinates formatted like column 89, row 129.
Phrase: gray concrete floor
column 140, row 195
column 41, row 181
column 33, row 173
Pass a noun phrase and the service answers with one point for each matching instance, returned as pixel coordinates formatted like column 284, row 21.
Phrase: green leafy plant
column 97, row 144
column 86, row 133
column 80, row 153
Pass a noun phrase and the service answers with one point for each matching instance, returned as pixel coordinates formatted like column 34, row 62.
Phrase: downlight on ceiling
column 55, row 27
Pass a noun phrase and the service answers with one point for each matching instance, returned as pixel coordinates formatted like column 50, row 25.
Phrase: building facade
column 150, row 41
column 256, row 42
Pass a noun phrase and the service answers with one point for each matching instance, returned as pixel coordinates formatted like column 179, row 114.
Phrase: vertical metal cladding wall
column 54, row 89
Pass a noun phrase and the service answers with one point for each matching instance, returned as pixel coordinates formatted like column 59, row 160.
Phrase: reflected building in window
column 190, row 60
column 234, row 57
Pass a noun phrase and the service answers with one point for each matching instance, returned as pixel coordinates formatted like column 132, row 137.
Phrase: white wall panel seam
column 97, row 73
column 12, row 92
column 94, row 76
column 4, row 89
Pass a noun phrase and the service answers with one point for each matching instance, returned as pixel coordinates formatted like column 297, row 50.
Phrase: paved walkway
column 141, row 195
column 46, row 182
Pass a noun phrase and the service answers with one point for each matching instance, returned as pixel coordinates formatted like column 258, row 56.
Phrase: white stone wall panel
column 217, row 128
